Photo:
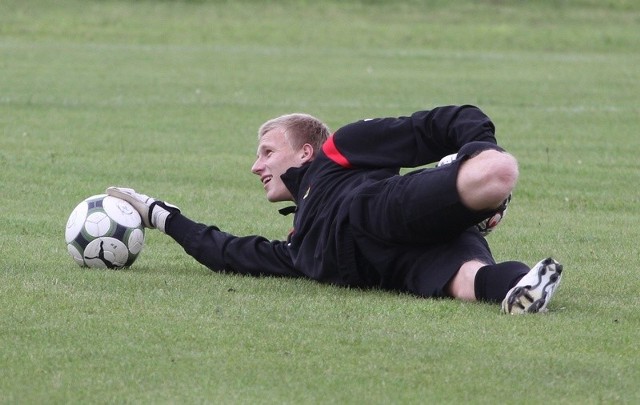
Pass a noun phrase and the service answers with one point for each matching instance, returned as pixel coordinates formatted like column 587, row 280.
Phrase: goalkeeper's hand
column 154, row 213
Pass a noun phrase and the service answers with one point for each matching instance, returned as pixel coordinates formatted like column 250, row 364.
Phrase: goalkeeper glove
column 154, row 213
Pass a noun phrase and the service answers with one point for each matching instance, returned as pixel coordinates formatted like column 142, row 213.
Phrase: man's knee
column 486, row 179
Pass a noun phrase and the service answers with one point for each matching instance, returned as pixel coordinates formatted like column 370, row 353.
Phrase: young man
column 358, row 222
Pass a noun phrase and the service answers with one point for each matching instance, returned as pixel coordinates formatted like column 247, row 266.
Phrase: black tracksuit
column 359, row 222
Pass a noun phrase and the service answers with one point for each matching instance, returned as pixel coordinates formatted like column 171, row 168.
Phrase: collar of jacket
column 292, row 179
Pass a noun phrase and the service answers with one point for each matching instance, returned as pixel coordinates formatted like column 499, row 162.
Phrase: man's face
column 275, row 156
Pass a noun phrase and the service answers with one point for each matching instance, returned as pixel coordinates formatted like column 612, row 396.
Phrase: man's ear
column 307, row 152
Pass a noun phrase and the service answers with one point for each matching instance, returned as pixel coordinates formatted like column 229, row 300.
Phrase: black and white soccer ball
column 104, row 232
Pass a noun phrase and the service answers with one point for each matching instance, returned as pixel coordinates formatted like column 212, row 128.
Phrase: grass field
column 166, row 97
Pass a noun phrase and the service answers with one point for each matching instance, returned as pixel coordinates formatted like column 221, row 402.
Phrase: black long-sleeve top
column 321, row 245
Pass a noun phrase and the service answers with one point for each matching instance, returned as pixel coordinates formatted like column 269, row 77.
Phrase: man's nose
column 257, row 167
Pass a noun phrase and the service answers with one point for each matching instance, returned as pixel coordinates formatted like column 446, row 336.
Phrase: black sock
column 493, row 281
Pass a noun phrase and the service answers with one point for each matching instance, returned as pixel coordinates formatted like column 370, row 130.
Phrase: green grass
column 166, row 96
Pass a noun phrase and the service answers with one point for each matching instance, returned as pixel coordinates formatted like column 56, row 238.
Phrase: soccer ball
column 104, row 232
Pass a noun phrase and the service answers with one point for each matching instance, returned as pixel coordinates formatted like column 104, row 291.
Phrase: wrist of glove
column 154, row 213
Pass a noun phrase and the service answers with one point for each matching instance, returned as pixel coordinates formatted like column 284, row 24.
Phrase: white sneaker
column 534, row 291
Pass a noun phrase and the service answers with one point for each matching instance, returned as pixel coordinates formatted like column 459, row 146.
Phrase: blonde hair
column 298, row 129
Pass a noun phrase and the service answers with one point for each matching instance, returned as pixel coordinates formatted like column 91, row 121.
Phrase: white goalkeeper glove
column 154, row 213
column 447, row 159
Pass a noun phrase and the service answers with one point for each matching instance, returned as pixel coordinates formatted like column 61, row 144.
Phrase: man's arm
column 220, row 251
column 253, row 255
column 424, row 137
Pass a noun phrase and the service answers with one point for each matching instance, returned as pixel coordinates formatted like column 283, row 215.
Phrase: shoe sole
column 530, row 299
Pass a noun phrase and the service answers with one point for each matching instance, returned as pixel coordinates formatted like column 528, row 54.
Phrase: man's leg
column 428, row 271
column 462, row 284
column 520, row 289
column 432, row 211
column 437, row 205
column 486, row 180
column 486, row 282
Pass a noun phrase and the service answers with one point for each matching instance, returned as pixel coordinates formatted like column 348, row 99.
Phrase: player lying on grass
column 358, row 222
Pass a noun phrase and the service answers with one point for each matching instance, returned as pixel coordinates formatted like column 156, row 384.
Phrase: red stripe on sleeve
column 329, row 148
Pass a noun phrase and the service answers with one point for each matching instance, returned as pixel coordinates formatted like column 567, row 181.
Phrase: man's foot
column 534, row 291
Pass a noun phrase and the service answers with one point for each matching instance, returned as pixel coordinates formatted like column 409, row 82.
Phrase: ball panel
column 122, row 212
column 76, row 255
column 76, row 221
column 106, row 253
column 98, row 224
column 136, row 241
